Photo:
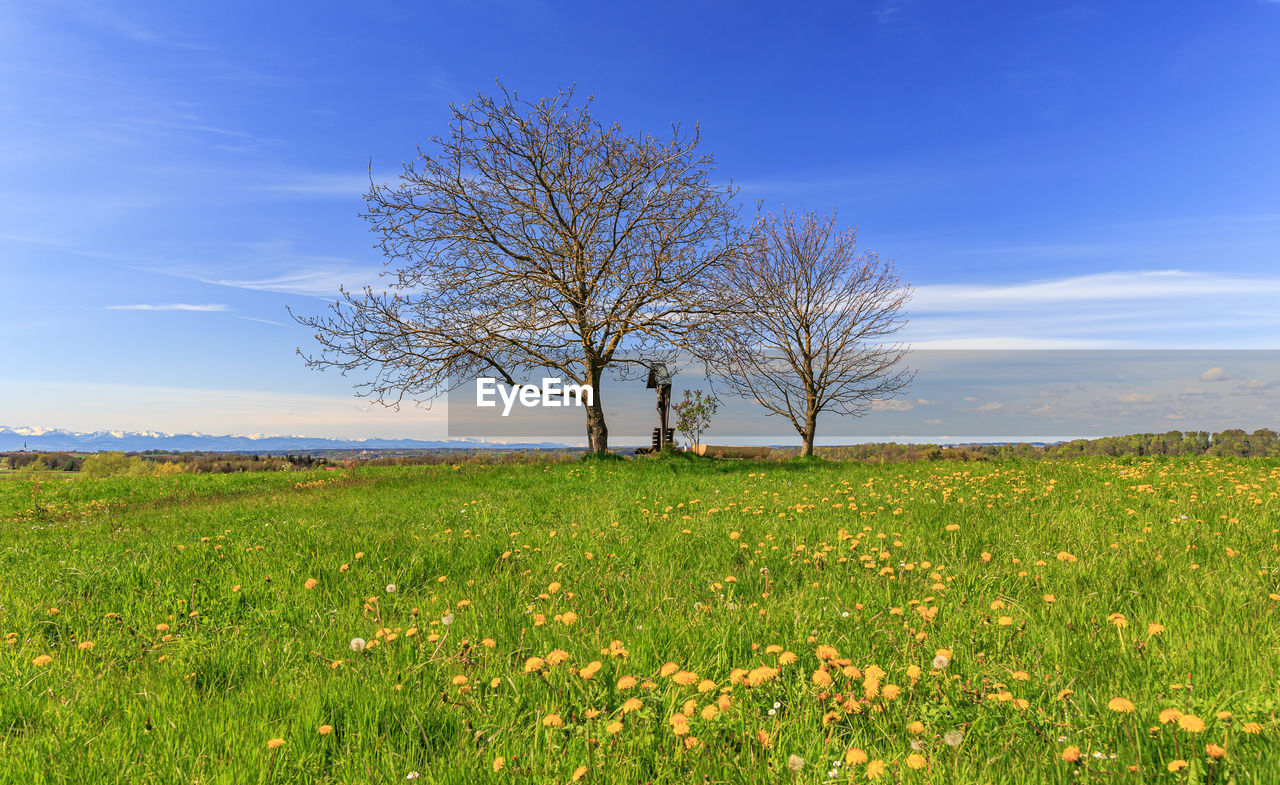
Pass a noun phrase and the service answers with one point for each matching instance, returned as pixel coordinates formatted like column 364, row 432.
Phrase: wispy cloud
column 210, row 308
column 890, row 11
column 320, row 185
column 263, row 321
column 99, row 15
column 314, row 281
column 1100, row 287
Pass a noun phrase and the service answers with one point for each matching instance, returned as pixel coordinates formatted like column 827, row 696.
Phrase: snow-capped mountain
column 49, row 439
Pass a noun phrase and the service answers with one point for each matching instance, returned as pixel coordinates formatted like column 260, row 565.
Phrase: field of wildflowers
column 649, row 621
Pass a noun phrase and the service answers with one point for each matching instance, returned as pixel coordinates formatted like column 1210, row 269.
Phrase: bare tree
column 806, row 323
column 533, row 238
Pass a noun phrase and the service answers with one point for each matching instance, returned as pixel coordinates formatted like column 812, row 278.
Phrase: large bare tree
column 806, row 323
column 533, row 238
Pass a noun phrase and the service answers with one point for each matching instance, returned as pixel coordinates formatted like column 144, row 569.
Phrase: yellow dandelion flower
column 631, row 704
column 1191, row 723
column 1176, row 765
column 685, row 678
column 1118, row 620
column 557, row 656
column 821, row 678
column 534, row 664
column 916, row 727
column 1214, row 751
column 1170, row 715
column 1252, row 728
column 85, row 645
column 1071, row 754
column 42, row 660
column 1154, row 629
column 579, row 773
column 915, row 761
column 325, row 730
column 875, row 769
column 275, row 744
column 627, row 682
column 855, row 756
column 1121, row 705
column 668, row 669
column 553, row 721
column 311, row 583
column 613, row 728
column 786, row 658
column 499, row 763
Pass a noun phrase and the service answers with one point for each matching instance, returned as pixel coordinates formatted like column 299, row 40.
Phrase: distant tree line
column 1264, row 443
column 121, row 464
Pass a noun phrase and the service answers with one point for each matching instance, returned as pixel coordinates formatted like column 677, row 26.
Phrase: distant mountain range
column 50, row 439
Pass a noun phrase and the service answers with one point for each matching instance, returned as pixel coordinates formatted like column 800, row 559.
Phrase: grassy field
column 648, row 621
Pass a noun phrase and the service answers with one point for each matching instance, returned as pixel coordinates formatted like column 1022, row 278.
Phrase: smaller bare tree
column 807, row 323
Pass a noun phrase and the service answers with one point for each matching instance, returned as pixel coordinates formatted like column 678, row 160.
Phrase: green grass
column 702, row 564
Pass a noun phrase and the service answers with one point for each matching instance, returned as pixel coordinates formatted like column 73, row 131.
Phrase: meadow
column 664, row 620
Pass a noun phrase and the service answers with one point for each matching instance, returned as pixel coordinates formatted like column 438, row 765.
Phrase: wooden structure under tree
column 660, row 380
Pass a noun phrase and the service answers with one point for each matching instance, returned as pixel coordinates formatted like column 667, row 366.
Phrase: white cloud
column 1193, row 391
column 892, row 406
column 315, row 281
column 1215, row 374
column 1005, row 342
column 170, row 307
column 1136, row 398
column 321, row 185
column 991, row 406
column 1100, row 287
column 239, row 410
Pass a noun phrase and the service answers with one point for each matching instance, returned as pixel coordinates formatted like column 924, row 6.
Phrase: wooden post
column 660, row 380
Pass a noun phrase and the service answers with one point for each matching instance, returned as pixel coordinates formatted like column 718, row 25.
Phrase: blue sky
column 1047, row 175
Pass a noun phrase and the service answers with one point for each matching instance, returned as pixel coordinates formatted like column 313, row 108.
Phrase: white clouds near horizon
column 1097, row 287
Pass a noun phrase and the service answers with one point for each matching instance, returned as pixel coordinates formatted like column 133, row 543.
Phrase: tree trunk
column 597, row 430
column 810, row 429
